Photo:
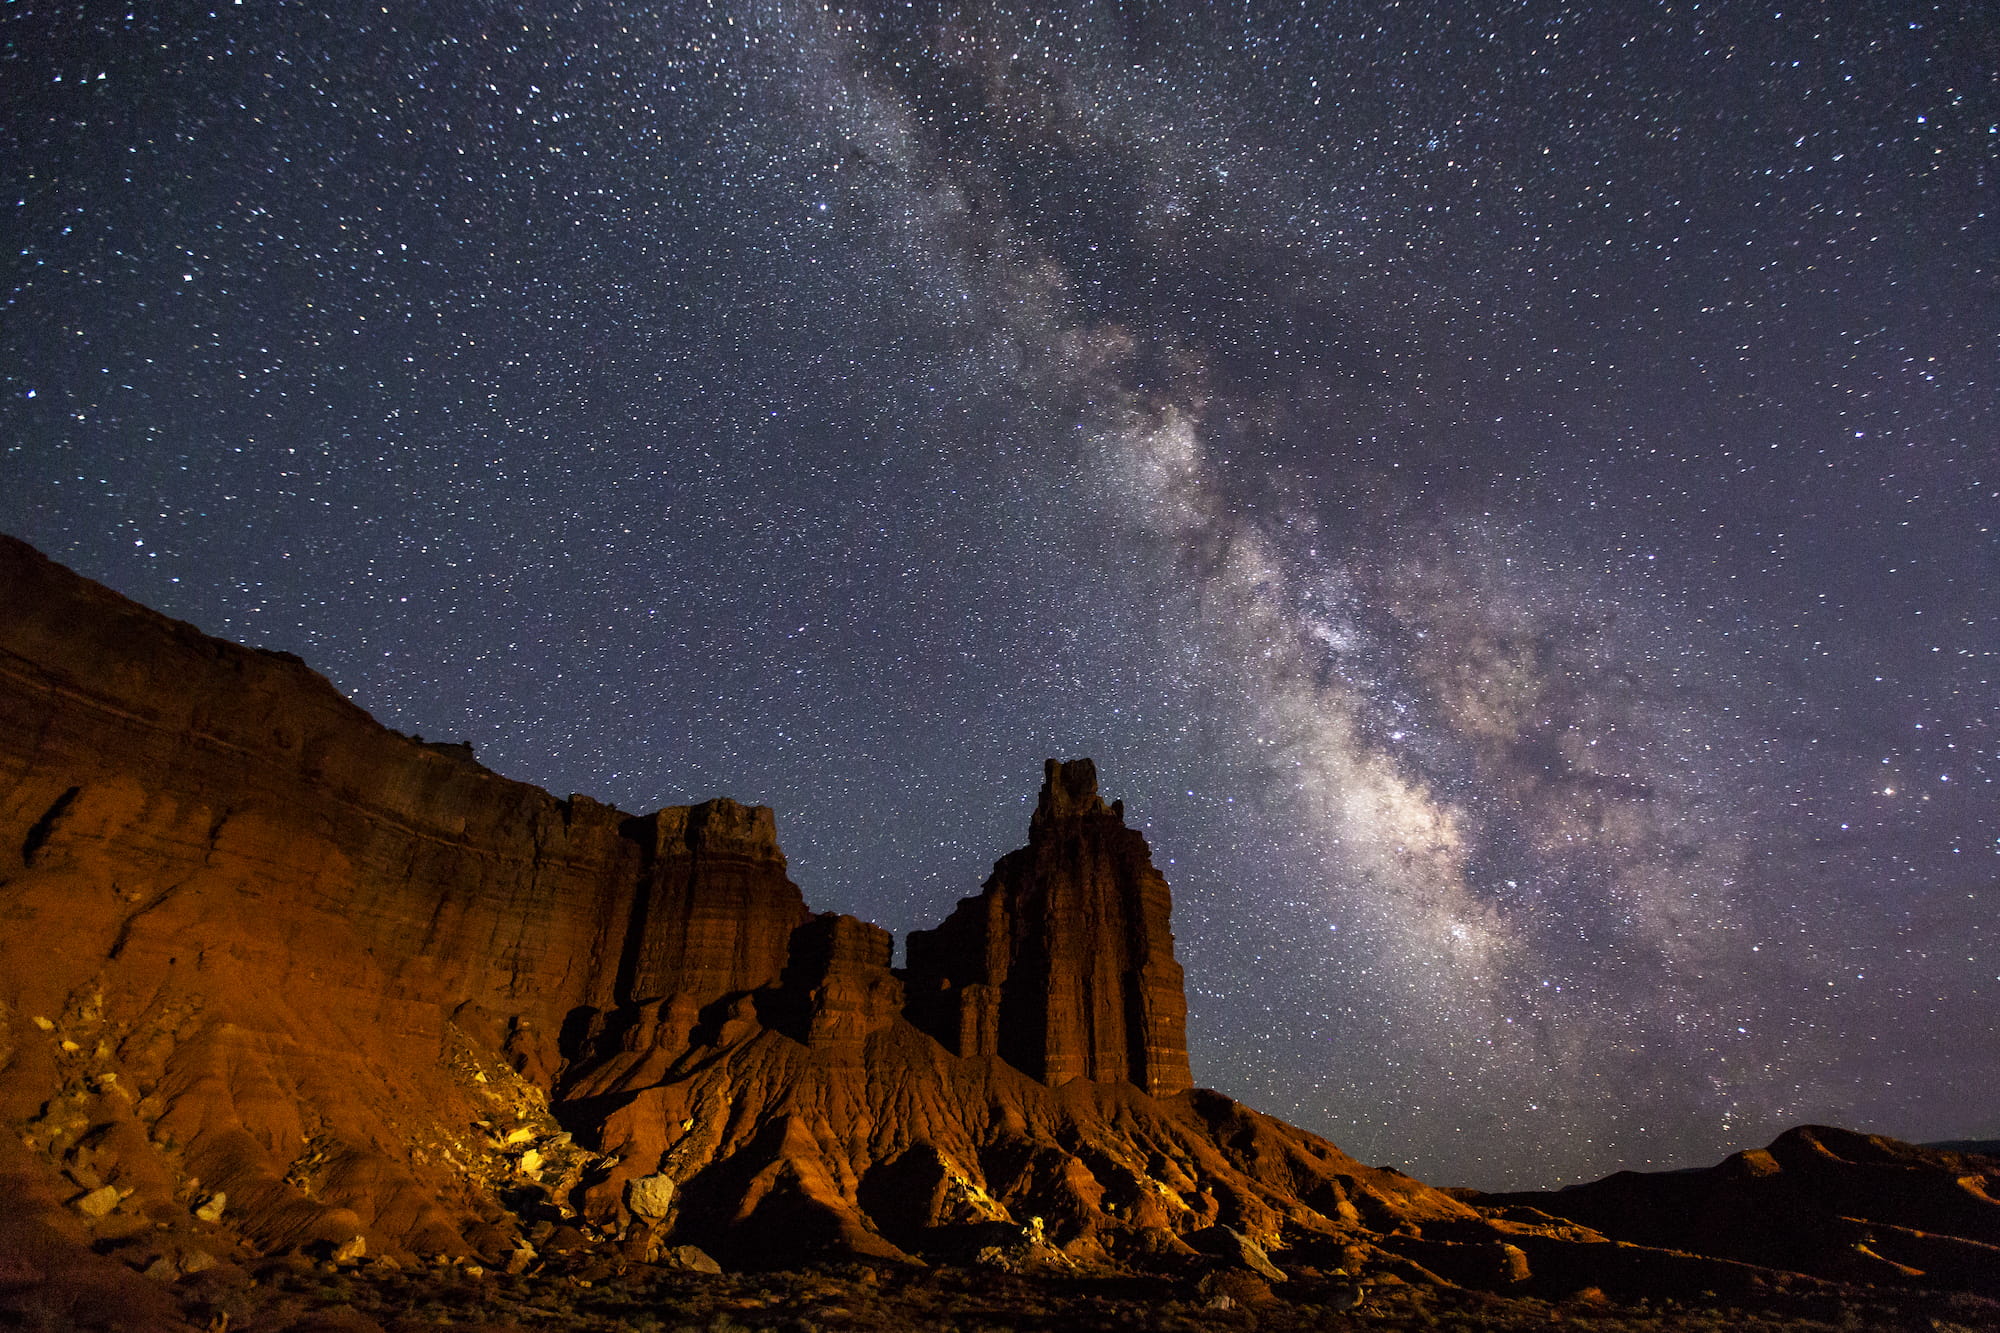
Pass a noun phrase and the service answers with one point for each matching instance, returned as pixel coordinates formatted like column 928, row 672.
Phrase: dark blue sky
column 1505, row 492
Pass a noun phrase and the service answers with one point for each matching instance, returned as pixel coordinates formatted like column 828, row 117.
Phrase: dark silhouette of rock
column 1829, row 1202
column 1064, row 964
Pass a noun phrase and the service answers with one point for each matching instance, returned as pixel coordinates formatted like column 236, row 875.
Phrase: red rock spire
column 1064, row 964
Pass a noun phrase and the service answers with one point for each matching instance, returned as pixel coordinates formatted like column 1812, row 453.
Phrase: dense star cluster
column 1505, row 491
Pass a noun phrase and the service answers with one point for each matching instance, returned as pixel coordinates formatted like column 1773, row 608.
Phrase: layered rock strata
column 273, row 977
column 1063, row 966
column 256, row 947
column 249, row 933
column 712, row 910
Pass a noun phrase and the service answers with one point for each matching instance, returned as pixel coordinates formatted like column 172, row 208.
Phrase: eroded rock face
column 714, row 911
column 911, row 1150
column 257, row 946
column 1064, row 964
column 277, row 948
column 274, row 977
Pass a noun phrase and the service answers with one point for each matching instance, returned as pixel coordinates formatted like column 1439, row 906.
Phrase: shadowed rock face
column 1063, row 966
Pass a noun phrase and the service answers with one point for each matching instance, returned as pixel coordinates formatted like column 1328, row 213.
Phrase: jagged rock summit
column 1063, row 966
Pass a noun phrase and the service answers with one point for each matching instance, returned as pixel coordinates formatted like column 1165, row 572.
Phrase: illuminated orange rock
column 273, row 976
column 1064, row 965
column 293, row 954
column 714, row 911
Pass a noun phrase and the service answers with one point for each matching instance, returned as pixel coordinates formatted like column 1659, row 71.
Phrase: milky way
column 1505, row 492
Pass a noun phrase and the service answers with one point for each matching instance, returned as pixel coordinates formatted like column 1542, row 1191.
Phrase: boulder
column 689, row 1259
column 98, row 1203
column 1234, row 1248
column 650, row 1197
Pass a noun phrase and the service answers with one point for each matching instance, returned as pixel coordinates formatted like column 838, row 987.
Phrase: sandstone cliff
column 274, row 978
column 1063, row 966
column 256, row 948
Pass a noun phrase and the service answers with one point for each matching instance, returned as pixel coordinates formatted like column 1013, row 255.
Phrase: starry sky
column 1505, row 491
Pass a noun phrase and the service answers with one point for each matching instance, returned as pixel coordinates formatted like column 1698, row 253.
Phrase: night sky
column 1506, row 492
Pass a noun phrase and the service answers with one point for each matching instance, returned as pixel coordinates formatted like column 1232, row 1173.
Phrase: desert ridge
column 277, row 982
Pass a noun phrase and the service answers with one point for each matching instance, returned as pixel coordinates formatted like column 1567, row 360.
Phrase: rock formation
column 255, row 945
column 275, row 978
column 1063, row 966
column 714, row 913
